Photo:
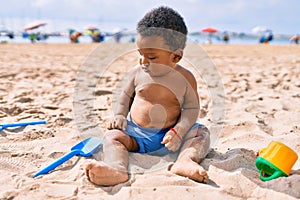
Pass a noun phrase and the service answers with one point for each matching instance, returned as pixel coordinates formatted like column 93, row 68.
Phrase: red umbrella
column 34, row 25
column 209, row 30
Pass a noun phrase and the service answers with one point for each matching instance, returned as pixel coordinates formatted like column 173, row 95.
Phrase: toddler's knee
column 112, row 135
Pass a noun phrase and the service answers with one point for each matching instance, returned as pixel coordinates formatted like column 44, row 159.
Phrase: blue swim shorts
column 149, row 139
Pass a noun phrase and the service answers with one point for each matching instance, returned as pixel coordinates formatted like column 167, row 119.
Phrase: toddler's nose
column 144, row 61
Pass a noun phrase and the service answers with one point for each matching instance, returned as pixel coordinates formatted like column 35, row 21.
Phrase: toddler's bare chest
column 161, row 89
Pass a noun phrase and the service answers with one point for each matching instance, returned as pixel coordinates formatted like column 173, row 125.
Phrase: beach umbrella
column 260, row 30
column 90, row 27
column 209, row 30
column 34, row 25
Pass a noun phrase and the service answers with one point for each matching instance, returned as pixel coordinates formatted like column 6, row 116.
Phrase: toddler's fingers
column 124, row 125
column 171, row 147
column 166, row 139
column 109, row 126
column 167, row 146
column 119, row 125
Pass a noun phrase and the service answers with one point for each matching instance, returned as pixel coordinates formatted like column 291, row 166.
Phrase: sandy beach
column 71, row 87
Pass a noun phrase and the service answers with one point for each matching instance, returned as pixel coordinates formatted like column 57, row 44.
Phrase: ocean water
column 201, row 39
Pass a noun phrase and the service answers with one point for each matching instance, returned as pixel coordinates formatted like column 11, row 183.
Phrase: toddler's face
column 155, row 56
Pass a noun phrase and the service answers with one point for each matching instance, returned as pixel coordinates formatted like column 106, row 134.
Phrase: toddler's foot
column 100, row 173
column 189, row 169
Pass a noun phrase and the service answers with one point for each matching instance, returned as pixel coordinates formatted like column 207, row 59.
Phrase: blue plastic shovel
column 84, row 148
column 3, row 126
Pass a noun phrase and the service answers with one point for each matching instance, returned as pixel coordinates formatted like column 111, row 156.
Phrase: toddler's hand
column 171, row 141
column 117, row 122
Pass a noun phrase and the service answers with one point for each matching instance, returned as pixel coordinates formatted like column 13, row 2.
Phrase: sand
column 250, row 99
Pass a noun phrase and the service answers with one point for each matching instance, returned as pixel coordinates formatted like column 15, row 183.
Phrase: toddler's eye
column 151, row 58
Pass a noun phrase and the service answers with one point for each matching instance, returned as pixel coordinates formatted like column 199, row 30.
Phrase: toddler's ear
column 177, row 55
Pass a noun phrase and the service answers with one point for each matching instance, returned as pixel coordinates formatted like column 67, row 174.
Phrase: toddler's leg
column 193, row 151
column 113, row 169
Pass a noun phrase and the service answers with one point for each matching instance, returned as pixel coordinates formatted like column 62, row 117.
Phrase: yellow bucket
column 280, row 156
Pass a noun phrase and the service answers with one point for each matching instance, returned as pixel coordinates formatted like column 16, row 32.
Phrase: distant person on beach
column 158, row 108
column 32, row 37
column 266, row 38
column 117, row 37
column 208, row 41
column 97, row 36
column 295, row 39
column 74, row 36
column 226, row 37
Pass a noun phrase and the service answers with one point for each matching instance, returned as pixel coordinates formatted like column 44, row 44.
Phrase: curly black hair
column 166, row 22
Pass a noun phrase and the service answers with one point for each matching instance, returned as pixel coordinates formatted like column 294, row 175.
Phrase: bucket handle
column 276, row 174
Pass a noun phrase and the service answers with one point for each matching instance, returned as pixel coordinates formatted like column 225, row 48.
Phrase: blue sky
column 282, row 16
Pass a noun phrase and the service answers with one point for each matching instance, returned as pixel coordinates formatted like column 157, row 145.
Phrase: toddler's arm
column 190, row 107
column 124, row 102
column 188, row 117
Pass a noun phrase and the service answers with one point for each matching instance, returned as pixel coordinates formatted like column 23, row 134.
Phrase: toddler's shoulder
column 186, row 73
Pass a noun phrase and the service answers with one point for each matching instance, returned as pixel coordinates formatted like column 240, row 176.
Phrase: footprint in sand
column 17, row 156
column 13, row 110
column 13, row 164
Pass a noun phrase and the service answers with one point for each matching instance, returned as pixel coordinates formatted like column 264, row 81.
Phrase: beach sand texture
column 49, row 81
